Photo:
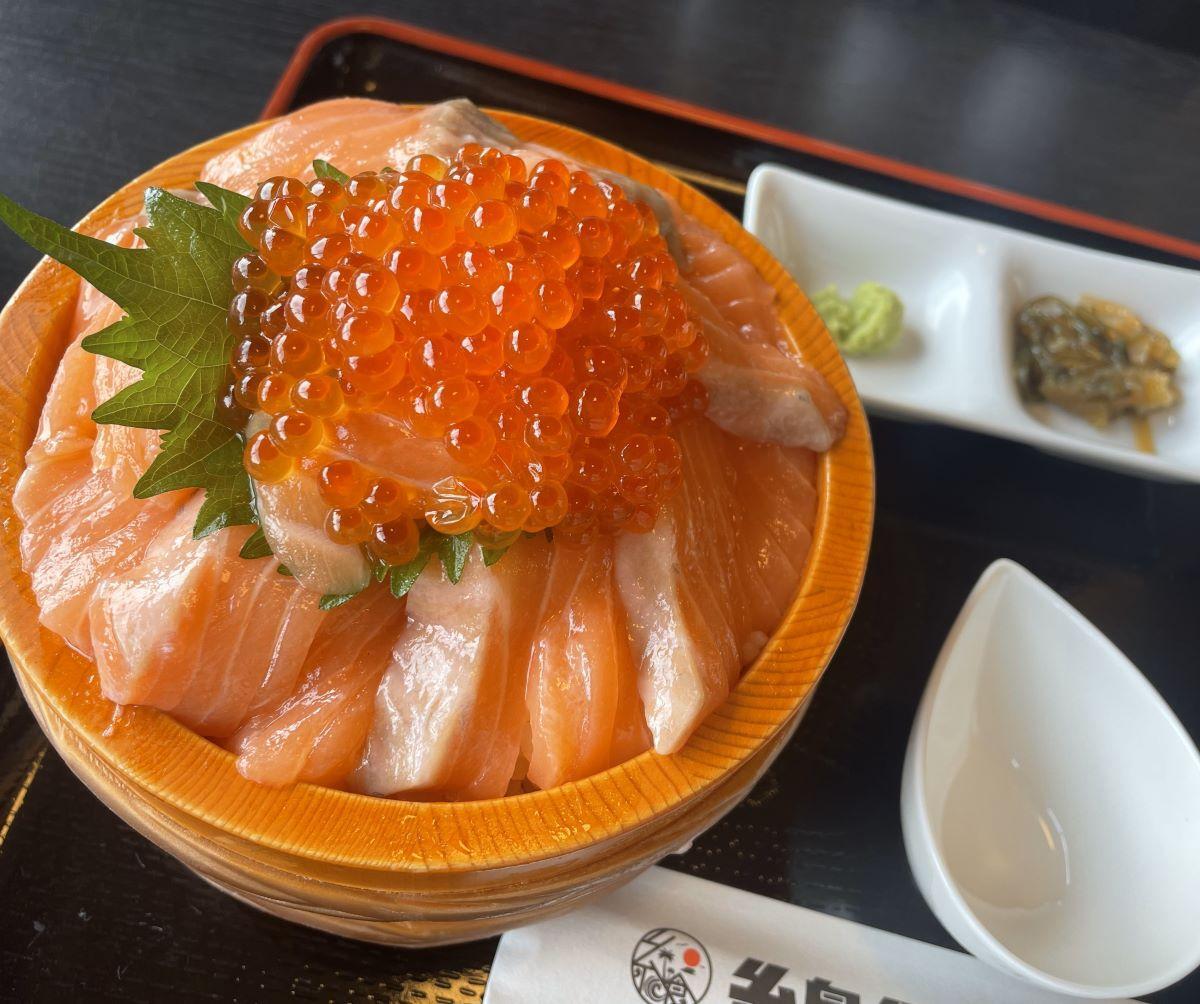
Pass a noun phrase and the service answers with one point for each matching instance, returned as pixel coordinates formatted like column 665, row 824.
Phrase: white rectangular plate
column 962, row 283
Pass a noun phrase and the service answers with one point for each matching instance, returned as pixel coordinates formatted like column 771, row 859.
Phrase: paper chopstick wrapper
column 669, row 938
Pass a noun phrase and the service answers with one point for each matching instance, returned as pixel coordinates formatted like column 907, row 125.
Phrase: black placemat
column 822, row 828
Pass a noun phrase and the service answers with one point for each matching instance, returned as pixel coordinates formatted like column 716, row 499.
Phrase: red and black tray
column 822, row 829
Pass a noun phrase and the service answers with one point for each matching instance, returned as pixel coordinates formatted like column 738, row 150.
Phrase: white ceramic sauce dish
column 1051, row 800
column 962, row 283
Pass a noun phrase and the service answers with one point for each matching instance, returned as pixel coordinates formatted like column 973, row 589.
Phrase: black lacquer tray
column 822, row 829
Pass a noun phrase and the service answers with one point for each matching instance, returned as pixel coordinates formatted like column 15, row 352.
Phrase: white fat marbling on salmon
column 316, row 733
column 757, row 389
column 198, row 631
column 708, row 585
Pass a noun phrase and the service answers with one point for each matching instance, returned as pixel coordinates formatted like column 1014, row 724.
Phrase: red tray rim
column 478, row 52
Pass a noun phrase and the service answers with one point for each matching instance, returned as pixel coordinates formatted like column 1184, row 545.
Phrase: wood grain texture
column 389, row 864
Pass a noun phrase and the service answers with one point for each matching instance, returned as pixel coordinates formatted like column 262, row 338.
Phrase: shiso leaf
column 229, row 204
column 494, row 551
column 176, row 293
column 404, row 577
column 256, row 546
column 401, row 578
column 324, row 169
column 454, row 551
column 331, row 601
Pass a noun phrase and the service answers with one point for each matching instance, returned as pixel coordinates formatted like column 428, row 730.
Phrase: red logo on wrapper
column 670, row 967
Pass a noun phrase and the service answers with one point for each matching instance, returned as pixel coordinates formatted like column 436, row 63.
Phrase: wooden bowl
column 415, row 873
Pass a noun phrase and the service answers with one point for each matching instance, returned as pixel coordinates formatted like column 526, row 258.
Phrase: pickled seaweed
column 1097, row 360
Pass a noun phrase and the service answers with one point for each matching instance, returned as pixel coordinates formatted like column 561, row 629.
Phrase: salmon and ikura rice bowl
column 405, row 458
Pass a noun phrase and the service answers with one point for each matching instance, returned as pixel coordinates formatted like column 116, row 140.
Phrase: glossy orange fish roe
column 528, row 318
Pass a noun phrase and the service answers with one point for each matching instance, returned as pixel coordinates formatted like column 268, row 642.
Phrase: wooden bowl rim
column 153, row 751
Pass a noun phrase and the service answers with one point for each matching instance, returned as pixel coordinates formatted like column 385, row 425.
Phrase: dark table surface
column 1083, row 103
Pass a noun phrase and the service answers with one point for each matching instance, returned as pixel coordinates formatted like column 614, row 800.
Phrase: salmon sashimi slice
column 292, row 515
column 579, row 662
column 756, row 392
column 728, row 281
column 776, row 490
column 631, row 734
column 354, row 134
column 426, row 703
column 682, row 673
column 317, row 732
column 770, row 493
column 84, row 380
column 61, row 451
column 196, row 630
column 79, row 521
column 449, row 709
column 490, row 768
column 677, row 586
column 711, row 525
column 756, row 388
column 704, row 590
column 65, row 426
column 386, row 444
column 85, row 531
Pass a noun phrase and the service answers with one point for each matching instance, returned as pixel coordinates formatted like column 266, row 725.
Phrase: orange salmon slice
column 80, row 523
column 704, row 589
column 449, row 709
column 198, row 631
column 757, row 388
column 317, row 732
column 354, row 134
column 581, row 694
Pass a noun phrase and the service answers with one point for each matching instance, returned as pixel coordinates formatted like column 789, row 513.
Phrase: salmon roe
column 530, row 319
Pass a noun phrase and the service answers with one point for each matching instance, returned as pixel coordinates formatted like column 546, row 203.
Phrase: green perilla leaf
column 324, row 169
column 175, row 293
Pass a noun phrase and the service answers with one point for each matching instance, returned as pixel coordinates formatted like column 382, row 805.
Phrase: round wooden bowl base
column 357, row 909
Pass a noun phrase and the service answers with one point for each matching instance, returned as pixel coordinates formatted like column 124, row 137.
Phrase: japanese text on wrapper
column 757, row 982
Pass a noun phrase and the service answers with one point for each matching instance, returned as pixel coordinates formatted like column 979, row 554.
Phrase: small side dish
column 418, row 462
column 963, row 283
column 1018, row 840
column 1097, row 360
